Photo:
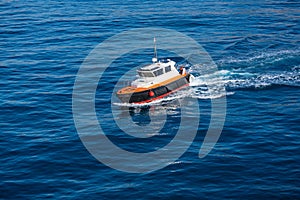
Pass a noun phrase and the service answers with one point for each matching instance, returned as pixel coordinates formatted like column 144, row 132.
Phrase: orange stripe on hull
column 130, row 89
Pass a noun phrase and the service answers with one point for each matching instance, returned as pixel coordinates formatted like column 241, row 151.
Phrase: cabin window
column 158, row 72
column 145, row 74
column 167, row 69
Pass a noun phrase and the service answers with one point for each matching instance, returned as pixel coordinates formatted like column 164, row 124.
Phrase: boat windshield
column 158, row 72
column 145, row 74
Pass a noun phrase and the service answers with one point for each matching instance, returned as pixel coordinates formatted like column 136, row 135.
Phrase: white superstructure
column 155, row 73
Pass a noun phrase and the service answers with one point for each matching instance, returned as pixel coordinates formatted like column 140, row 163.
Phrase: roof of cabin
column 152, row 67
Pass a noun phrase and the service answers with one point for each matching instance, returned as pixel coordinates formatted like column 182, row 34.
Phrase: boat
column 155, row 81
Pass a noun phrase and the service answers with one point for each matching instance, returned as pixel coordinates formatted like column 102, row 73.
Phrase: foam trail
column 209, row 86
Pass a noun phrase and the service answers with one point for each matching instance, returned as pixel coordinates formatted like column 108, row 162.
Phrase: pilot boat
column 155, row 81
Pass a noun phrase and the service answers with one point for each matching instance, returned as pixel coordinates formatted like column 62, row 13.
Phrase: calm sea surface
column 256, row 47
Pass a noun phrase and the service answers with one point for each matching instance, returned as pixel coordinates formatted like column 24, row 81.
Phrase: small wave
column 263, row 80
column 296, row 68
column 211, row 96
column 274, row 56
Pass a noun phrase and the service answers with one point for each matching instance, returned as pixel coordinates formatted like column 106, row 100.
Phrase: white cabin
column 155, row 73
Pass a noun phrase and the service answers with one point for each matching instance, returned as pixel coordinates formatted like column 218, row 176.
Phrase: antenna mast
column 154, row 59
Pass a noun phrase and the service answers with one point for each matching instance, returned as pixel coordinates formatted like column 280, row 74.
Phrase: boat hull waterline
column 145, row 95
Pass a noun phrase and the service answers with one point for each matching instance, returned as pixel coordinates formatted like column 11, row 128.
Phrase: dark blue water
column 256, row 46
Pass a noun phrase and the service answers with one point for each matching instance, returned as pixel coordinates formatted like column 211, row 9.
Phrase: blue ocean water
column 256, row 46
